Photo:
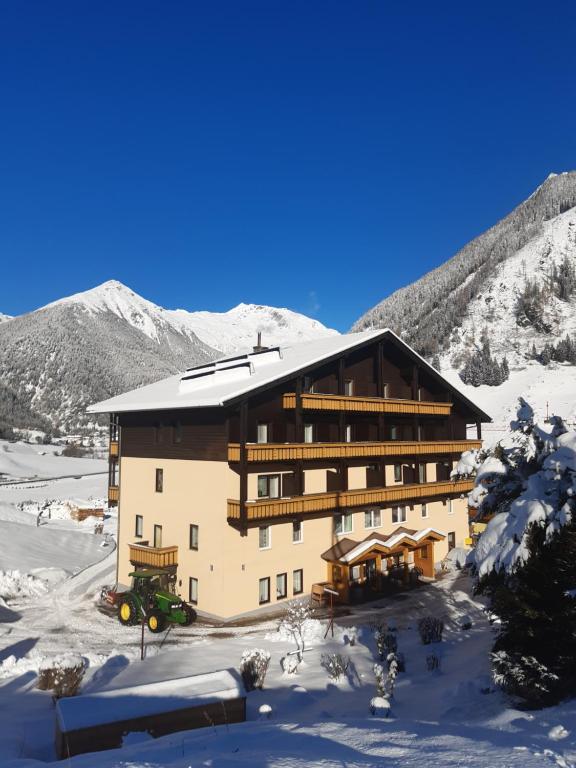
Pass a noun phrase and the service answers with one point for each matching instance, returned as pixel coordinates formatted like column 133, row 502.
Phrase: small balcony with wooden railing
column 263, row 452
column 114, row 450
column 142, row 555
column 356, row 404
column 317, row 503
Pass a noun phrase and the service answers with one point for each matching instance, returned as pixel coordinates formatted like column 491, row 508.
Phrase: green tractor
column 150, row 600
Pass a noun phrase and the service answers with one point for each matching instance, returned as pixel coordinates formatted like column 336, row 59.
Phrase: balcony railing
column 262, row 452
column 354, row 404
column 153, row 557
column 114, row 448
column 113, row 494
column 268, row 509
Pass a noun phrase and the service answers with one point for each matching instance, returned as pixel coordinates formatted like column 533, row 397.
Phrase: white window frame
column 157, row 545
column 348, row 433
column 268, row 529
column 371, row 515
column 193, row 528
column 349, row 387
column 193, row 590
column 300, row 529
column 308, row 433
column 262, row 432
column 422, row 473
column 343, row 518
column 139, row 526
column 450, row 504
column 393, row 432
column 402, row 514
column 399, row 467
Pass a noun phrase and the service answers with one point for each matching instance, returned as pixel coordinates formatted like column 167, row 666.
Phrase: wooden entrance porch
column 380, row 564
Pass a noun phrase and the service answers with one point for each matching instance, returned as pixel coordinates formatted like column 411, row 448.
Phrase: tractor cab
column 151, row 580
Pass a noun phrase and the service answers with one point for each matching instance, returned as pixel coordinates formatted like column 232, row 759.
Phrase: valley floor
column 451, row 717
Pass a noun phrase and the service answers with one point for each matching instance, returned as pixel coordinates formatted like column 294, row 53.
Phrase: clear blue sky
column 310, row 154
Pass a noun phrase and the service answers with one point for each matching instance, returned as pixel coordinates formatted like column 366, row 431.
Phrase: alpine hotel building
column 258, row 478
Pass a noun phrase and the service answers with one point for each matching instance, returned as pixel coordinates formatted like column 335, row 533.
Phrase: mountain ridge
column 92, row 345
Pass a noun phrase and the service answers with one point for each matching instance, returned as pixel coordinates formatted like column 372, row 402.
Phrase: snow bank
column 14, row 584
column 313, row 632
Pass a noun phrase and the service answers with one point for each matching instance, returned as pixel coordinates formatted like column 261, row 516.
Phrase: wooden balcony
column 113, row 494
column 153, row 557
column 354, row 404
column 114, row 449
column 262, row 452
column 270, row 509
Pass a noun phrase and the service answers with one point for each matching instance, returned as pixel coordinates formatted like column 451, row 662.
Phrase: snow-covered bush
column 432, row 662
column 253, row 668
column 430, row 629
column 296, row 615
column 290, row 664
column 379, row 707
column 61, row 674
column 386, row 642
column 264, row 712
column 526, row 558
column 335, row 664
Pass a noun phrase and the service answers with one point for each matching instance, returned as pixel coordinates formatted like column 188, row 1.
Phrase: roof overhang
column 385, row 546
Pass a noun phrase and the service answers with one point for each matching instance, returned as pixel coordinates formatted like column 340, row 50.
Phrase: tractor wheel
column 127, row 612
column 190, row 614
column 156, row 621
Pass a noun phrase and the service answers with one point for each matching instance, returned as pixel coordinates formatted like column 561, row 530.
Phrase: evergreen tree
column 526, row 559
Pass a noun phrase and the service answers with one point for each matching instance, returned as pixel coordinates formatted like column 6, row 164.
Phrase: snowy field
column 450, row 717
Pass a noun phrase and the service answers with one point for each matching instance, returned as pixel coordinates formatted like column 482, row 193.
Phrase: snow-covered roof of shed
column 226, row 379
column 117, row 704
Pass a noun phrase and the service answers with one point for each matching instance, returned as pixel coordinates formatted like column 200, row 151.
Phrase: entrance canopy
column 347, row 552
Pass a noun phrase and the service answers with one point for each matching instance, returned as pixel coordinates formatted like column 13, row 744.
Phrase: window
column 262, row 432
column 386, row 390
column 159, row 480
column 193, row 590
column 308, row 433
column 138, row 532
column 177, row 432
column 424, row 510
column 397, row 473
column 268, row 486
column 424, row 553
column 355, row 573
column 343, row 523
column 348, row 433
column 420, row 393
column 393, row 432
column 421, row 473
column 158, row 434
column 451, row 540
column 281, row 586
column 264, row 591
column 264, row 537
column 308, row 385
column 193, row 536
column 398, row 514
column 297, row 536
column 450, row 506
column 298, row 581
column 157, row 536
column 372, row 518
column 349, row 387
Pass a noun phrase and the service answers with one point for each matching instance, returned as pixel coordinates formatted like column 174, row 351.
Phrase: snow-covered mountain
column 224, row 331
column 527, row 259
column 3, row 317
column 95, row 344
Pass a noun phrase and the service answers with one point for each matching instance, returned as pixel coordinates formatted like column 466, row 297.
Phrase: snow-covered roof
column 224, row 380
column 114, row 705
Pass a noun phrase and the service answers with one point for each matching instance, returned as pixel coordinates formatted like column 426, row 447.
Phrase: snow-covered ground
column 549, row 390
column 451, row 717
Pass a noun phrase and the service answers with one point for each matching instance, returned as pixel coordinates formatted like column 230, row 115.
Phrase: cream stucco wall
column 228, row 566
